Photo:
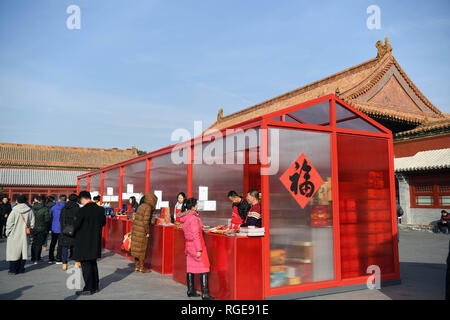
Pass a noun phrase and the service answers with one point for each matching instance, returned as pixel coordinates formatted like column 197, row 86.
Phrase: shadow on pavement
column 116, row 276
column 16, row 294
column 40, row 265
column 419, row 281
column 106, row 255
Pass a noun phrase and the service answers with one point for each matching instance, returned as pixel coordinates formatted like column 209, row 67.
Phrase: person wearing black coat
column 240, row 208
column 5, row 210
column 447, row 276
column 88, row 241
column 67, row 220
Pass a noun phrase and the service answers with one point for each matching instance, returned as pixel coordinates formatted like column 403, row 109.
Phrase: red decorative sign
column 302, row 180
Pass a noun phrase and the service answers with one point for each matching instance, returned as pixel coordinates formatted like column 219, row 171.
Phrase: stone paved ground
column 422, row 265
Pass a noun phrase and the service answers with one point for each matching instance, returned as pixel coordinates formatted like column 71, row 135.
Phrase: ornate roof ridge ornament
column 220, row 115
column 383, row 49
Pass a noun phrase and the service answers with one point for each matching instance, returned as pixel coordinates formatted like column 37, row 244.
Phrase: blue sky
column 137, row 70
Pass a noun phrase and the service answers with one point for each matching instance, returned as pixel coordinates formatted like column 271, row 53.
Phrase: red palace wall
column 409, row 148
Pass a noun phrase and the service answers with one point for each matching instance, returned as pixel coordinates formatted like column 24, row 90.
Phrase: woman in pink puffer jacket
column 197, row 261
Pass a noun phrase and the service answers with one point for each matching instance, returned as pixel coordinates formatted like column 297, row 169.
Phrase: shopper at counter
column 88, row 241
column 67, row 219
column 140, row 231
column 97, row 200
column 19, row 221
column 240, row 208
column 178, row 206
column 197, row 261
column 41, row 227
column 254, row 214
column 55, row 212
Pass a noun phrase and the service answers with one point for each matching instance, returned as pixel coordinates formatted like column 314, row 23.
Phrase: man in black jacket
column 240, row 208
column 88, row 241
column 5, row 210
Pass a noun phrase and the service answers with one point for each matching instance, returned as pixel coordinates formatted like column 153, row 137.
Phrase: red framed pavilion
column 322, row 246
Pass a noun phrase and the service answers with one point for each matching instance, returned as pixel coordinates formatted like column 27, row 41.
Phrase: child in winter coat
column 197, row 261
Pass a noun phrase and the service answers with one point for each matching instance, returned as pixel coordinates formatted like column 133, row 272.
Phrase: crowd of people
column 75, row 228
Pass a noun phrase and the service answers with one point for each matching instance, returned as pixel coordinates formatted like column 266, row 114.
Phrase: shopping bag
column 126, row 244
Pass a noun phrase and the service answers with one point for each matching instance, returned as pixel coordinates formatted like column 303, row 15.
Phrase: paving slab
column 422, row 265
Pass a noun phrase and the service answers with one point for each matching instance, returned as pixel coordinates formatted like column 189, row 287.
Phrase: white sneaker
column 59, row 262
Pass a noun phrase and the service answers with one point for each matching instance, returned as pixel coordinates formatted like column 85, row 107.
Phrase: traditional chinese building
column 50, row 170
column 381, row 89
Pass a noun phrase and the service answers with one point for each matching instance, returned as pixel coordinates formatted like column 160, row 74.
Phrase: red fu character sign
column 302, row 180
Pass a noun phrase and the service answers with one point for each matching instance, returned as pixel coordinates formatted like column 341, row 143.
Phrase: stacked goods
column 164, row 218
column 253, row 231
column 220, row 229
column 320, row 216
column 278, row 269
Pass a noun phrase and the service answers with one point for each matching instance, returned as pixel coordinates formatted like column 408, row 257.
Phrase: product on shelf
column 277, row 257
column 164, row 217
column 320, row 216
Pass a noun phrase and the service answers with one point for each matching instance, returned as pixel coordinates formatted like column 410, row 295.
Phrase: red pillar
column 121, row 172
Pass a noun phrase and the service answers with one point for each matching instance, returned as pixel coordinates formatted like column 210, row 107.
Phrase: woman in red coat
column 197, row 261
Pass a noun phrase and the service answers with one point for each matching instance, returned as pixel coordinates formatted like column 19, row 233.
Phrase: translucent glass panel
column 364, row 205
column 301, row 239
column 111, row 187
column 227, row 164
column 169, row 178
column 348, row 120
column 134, row 181
column 318, row 114
column 95, row 186
column 83, row 184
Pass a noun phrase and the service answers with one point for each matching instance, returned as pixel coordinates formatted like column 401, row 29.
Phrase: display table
column 160, row 249
column 236, row 267
column 113, row 234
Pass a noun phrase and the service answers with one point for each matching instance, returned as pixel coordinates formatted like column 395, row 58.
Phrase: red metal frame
column 102, row 178
column 121, row 173
column 148, row 166
column 266, row 122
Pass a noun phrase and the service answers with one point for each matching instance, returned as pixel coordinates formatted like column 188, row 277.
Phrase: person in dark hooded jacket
column 67, row 219
column 41, row 227
column 5, row 210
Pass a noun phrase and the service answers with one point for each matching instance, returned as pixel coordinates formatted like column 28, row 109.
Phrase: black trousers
column 51, row 254
column 2, row 227
column 36, row 245
column 90, row 275
column 17, row 266
column 443, row 227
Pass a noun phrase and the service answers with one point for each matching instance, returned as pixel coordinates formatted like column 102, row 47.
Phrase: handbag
column 68, row 230
column 126, row 244
column 27, row 229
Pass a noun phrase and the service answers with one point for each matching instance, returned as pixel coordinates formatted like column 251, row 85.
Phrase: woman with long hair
column 181, row 196
column 197, row 261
